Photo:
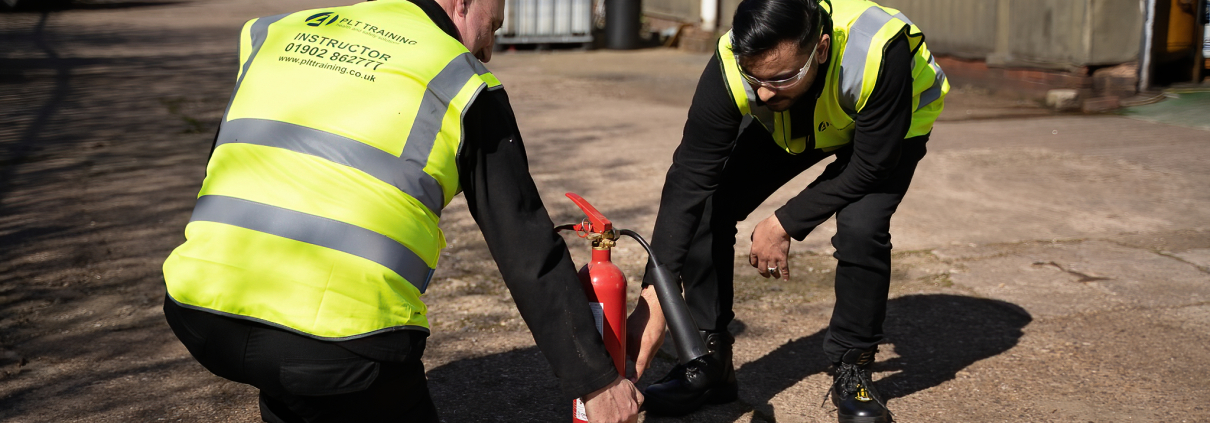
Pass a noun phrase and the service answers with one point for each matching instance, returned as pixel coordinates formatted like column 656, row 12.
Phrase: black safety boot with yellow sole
column 853, row 392
column 708, row 380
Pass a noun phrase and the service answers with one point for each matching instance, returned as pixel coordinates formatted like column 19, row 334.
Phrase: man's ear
column 825, row 46
column 462, row 7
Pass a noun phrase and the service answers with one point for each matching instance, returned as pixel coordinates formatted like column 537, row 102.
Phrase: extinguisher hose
column 689, row 344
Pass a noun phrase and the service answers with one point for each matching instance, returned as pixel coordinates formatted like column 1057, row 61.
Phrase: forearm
column 542, row 279
column 679, row 215
column 697, row 166
column 844, row 182
column 532, row 258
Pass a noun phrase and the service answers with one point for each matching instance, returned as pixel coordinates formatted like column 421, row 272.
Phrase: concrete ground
column 1048, row 267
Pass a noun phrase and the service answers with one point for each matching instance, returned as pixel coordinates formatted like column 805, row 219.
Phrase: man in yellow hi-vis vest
column 792, row 83
column 316, row 229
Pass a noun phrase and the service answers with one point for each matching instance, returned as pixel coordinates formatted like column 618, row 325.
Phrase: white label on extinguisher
column 581, row 415
column 598, row 314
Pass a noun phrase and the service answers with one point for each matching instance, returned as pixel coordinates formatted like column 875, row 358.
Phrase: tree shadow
column 934, row 335
column 24, row 147
column 45, row 6
column 96, row 183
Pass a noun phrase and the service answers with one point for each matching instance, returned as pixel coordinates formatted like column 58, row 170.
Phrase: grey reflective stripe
column 436, row 101
column 405, row 172
column 409, row 178
column 259, row 32
column 857, row 47
column 752, row 100
column 743, row 124
column 901, row 17
column 470, row 59
column 315, row 230
column 744, row 81
column 934, row 92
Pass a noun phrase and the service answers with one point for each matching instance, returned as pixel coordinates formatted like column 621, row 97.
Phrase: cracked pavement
column 1048, row 267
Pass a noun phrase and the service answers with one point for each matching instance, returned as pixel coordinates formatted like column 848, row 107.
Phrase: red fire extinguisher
column 605, row 286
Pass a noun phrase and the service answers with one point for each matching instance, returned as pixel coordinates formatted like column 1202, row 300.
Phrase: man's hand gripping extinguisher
column 605, row 286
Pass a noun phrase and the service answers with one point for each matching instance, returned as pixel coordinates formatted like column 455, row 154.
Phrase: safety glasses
column 781, row 84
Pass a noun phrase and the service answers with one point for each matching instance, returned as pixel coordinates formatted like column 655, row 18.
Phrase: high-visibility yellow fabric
column 442, row 162
column 325, row 191
column 285, row 276
column 861, row 29
column 329, row 101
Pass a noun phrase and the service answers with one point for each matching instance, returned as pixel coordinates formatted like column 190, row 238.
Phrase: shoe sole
column 722, row 395
column 717, row 396
column 857, row 419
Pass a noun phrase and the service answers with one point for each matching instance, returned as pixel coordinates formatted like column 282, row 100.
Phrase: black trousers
column 302, row 379
column 862, row 241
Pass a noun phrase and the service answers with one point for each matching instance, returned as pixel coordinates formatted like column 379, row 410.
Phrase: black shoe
column 853, row 393
column 708, row 380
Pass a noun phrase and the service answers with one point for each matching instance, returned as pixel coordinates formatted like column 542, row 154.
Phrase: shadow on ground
column 935, row 336
column 45, row 6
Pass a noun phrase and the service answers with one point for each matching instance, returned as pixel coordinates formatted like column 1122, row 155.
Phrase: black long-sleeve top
column 532, row 258
column 712, row 129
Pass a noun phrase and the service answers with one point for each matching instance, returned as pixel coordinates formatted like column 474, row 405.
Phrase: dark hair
column 760, row 25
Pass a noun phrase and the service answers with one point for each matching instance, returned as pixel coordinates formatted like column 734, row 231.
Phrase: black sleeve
column 881, row 128
column 532, row 258
column 697, row 165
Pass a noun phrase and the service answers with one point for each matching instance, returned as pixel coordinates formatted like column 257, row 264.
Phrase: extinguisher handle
column 689, row 344
column 599, row 223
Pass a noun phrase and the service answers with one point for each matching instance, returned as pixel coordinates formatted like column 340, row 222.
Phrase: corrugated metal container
column 962, row 28
column 675, row 10
column 546, row 21
column 1034, row 33
column 1029, row 33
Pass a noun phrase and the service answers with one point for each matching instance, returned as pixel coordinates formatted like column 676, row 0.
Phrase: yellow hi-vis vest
column 334, row 160
column 860, row 33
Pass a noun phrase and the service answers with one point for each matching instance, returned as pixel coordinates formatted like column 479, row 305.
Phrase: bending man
column 794, row 82
column 316, row 229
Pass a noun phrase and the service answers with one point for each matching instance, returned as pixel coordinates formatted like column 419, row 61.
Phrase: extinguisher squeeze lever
column 689, row 344
column 597, row 223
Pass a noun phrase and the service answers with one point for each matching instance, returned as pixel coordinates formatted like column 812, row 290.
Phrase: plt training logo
column 323, row 18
